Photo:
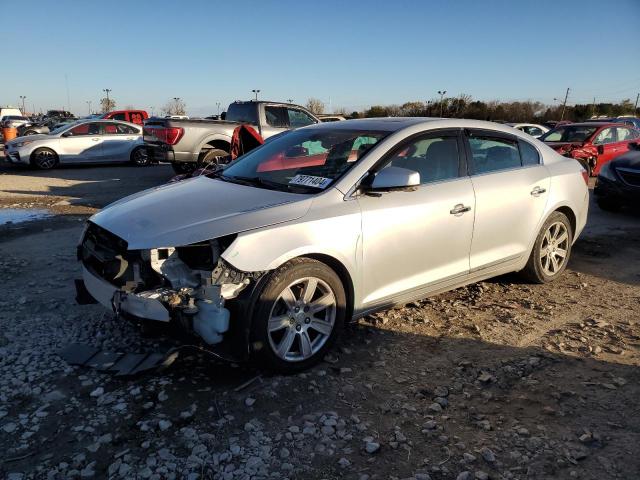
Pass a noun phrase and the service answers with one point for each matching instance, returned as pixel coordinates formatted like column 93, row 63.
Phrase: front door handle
column 459, row 209
column 537, row 191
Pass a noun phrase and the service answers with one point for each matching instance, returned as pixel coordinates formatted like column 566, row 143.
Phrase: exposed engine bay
column 187, row 285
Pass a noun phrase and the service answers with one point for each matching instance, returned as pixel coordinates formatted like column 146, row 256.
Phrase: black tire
column 139, row 157
column 267, row 302
column 213, row 156
column 609, row 204
column 535, row 271
column 44, row 158
column 184, row 167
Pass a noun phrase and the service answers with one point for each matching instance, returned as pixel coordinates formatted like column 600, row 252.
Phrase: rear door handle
column 459, row 209
column 537, row 191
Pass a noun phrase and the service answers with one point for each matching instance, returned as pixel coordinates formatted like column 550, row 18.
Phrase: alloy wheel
column 554, row 248
column 45, row 159
column 302, row 319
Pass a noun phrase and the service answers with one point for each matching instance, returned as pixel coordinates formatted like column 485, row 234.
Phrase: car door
column 605, row 141
column 81, row 144
column 511, row 187
column 118, row 141
column 416, row 238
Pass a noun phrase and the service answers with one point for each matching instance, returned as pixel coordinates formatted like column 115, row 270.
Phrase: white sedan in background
column 532, row 129
column 85, row 141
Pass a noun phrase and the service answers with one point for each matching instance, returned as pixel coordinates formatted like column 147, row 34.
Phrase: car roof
column 104, row 120
column 591, row 124
column 395, row 124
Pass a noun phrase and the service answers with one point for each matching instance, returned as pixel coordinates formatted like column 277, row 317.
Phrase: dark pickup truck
column 190, row 143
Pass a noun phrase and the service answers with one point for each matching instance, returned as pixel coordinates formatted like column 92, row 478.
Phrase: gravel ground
column 500, row 380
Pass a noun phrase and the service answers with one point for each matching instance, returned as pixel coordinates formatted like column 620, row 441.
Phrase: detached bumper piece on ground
column 121, row 364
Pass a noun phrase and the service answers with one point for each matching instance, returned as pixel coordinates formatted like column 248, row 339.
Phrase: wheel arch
column 570, row 214
column 33, row 152
column 215, row 141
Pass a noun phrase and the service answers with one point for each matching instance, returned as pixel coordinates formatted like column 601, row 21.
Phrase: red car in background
column 591, row 143
column 133, row 116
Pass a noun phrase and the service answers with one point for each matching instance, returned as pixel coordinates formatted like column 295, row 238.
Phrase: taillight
column 169, row 135
column 585, row 176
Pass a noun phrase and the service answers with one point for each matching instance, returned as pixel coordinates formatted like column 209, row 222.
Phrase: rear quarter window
column 529, row 154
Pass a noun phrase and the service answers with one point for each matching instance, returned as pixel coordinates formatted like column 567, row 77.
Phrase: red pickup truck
column 133, row 116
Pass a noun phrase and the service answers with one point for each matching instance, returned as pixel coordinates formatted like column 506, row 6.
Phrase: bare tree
column 175, row 107
column 107, row 104
column 315, row 106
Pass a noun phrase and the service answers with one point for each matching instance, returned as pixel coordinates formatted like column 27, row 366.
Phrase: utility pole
column 289, row 100
column 564, row 104
column 442, row 94
column 22, row 97
column 89, row 103
column 593, row 108
column 107, row 90
column 636, row 105
column 218, row 107
column 256, row 92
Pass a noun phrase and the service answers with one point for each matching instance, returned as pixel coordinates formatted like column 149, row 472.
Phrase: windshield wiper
column 254, row 182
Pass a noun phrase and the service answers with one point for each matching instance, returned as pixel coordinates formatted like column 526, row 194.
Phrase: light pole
column 89, row 103
column 290, row 100
column 151, row 108
column 256, row 93
column 107, row 90
column 442, row 94
column 218, row 107
column 22, row 97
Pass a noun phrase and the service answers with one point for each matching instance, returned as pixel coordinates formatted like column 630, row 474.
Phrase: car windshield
column 302, row 161
column 569, row 133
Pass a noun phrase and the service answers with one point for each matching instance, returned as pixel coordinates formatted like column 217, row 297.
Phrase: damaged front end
column 186, row 286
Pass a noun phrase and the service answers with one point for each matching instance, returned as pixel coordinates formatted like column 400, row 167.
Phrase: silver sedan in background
column 272, row 254
column 85, row 141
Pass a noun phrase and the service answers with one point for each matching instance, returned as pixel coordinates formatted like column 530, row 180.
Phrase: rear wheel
column 30, row 132
column 44, row 158
column 551, row 250
column 213, row 156
column 609, row 204
column 299, row 314
column 139, row 157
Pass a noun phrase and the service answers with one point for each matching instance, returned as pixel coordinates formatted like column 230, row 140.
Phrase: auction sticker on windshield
column 310, row 181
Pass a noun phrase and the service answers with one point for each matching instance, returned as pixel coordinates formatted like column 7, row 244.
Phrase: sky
column 350, row 54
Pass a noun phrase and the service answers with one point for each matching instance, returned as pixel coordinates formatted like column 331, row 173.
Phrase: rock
column 480, row 475
column 486, row 377
column 54, row 396
column 88, row 471
column 488, row 455
column 162, row 396
column 344, row 463
column 164, row 425
column 249, row 401
column 484, row 424
column 430, row 425
column 98, row 392
column 371, row 447
column 9, row 427
column 468, row 457
column 435, row 407
column 466, row 475
column 441, row 392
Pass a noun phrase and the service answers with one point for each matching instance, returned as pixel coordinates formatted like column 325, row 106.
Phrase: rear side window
column 529, row 154
column 276, row 116
column 625, row 134
column 242, row 113
column 119, row 116
column 490, row 154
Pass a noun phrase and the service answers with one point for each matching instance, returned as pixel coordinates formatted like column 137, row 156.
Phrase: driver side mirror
column 392, row 178
column 600, row 149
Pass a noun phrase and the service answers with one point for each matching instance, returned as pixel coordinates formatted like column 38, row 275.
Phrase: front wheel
column 139, row 157
column 184, row 167
column 213, row 156
column 44, row 158
column 299, row 314
column 551, row 250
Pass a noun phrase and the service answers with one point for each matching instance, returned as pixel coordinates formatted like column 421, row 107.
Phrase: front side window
column 242, row 113
column 277, row 117
column 570, row 133
column 84, row 129
column 302, row 161
column 434, row 158
column 490, row 154
column 119, row 116
column 298, row 118
column 605, row 136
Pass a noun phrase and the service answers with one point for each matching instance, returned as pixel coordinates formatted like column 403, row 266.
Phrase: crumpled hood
column 196, row 210
column 563, row 145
